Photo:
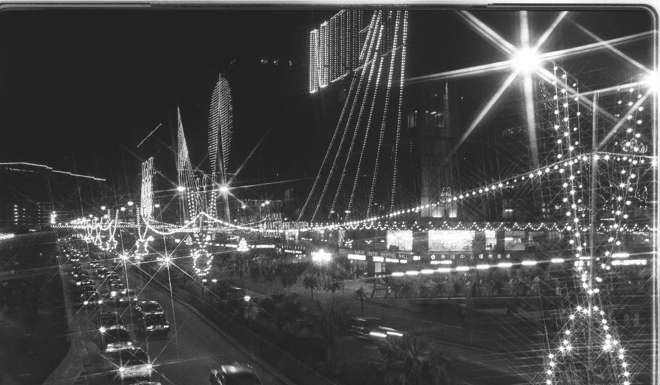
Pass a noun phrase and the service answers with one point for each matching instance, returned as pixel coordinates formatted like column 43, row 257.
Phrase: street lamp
column 157, row 205
column 122, row 208
column 224, row 189
column 130, row 203
column 103, row 208
column 180, row 188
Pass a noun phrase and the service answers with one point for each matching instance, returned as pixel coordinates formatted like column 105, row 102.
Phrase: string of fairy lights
column 397, row 136
column 588, row 320
column 386, row 34
column 378, row 61
column 383, row 123
column 369, row 58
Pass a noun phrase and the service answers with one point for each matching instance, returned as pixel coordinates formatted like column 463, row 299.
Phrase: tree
column 441, row 369
column 311, row 282
column 361, row 296
column 332, row 286
column 332, row 322
column 402, row 361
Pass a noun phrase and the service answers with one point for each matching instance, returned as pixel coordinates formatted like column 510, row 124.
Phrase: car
column 152, row 324
column 235, row 374
column 102, row 273
column 116, row 286
column 79, row 276
column 84, row 282
column 111, row 301
column 113, row 275
column 132, row 363
column 235, row 294
column 86, row 289
column 144, row 308
column 127, row 296
column 107, row 320
column 370, row 327
column 116, row 338
column 90, row 298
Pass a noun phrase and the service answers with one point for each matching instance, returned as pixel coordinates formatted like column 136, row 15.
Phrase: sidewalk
column 68, row 371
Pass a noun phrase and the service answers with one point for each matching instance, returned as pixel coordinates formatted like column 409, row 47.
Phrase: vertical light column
column 146, row 190
column 313, row 61
column 323, row 55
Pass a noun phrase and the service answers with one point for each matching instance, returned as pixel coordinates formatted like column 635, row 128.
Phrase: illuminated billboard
column 514, row 240
column 451, row 240
column 401, row 239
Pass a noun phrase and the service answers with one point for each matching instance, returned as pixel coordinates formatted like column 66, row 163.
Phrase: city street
column 362, row 194
column 193, row 347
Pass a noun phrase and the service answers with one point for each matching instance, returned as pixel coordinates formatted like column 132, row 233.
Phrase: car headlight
column 122, row 369
column 150, row 327
column 377, row 334
column 166, row 326
column 85, row 302
column 102, row 329
column 129, row 343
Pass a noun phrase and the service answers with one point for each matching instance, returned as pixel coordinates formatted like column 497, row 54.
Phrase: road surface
column 185, row 357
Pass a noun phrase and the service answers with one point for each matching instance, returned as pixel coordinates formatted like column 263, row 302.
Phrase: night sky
column 80, row 88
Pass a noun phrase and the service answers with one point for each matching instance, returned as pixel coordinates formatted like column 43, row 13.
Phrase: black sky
column 80, row 88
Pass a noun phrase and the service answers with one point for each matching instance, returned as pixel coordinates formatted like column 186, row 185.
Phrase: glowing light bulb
column 652, row 80
column 526, row 60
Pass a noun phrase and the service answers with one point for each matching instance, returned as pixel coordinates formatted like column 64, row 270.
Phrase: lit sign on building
column 514, row 240
column 451, row 240
column 401, row 239
column 357, row 257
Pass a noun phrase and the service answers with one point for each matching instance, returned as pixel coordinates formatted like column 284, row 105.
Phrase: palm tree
column 402, row 361
column 441, row 369
column 361, row 296
column 311, row 282
column 332, row 322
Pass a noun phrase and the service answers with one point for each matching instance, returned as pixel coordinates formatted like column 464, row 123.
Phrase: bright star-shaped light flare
column 652, row 81
column 526, row 60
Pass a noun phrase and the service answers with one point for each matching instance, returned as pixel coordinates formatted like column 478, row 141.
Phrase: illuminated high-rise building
column 335, row 46
column 429, row 121
column 313, row 60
